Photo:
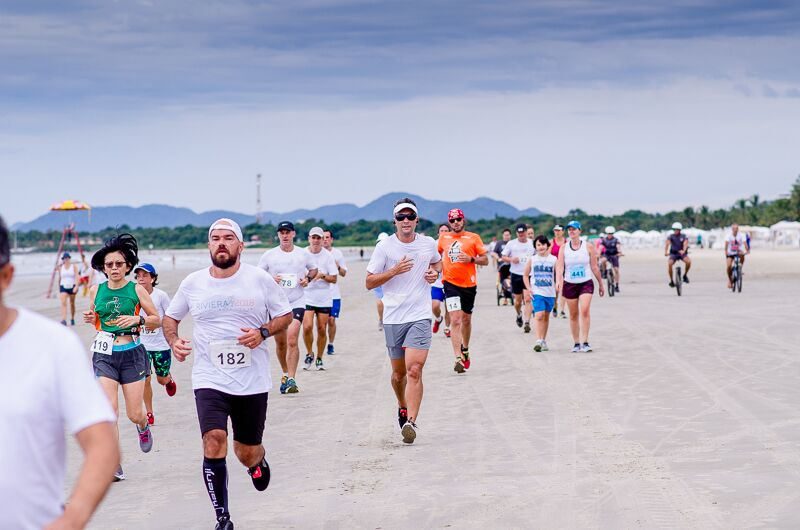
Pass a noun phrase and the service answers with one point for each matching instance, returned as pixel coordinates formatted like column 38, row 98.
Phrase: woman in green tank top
column 118, row 357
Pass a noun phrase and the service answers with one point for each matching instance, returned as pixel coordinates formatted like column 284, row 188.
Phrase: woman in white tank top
column 576, row 266
column 67, row 286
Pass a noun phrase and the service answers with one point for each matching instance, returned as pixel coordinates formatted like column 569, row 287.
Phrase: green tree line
column 748, row 211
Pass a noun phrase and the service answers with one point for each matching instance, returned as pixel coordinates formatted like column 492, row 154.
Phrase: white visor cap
column 226, row 224
column 403, row 206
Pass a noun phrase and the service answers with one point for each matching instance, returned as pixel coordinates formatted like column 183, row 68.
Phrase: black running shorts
column 517, row 284
column 247, row 414
column 466, row 294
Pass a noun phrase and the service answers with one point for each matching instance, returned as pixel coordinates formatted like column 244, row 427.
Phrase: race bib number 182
column 229, row 354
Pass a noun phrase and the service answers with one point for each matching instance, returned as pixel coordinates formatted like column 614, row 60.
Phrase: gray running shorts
column 415, row 335
column 126, row 366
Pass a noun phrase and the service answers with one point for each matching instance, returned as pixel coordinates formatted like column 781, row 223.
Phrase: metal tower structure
column 258, row 198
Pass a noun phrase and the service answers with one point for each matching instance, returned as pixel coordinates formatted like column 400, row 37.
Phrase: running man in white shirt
column 319, row 299
column 405, row 264
column 235, row 307
column 52, row 391
column 158, row 352
column 539, row 280
column 735, row 245
column 517, row 252
column 336, row 309
column 292, row 267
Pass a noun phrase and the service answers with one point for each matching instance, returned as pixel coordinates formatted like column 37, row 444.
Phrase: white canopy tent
column 785, row 234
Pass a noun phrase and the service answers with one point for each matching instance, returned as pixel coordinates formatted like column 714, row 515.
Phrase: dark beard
column 224, row 263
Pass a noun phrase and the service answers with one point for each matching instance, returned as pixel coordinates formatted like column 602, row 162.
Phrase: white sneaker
column 544, row 346
column 538, row 346
column 586, row 348
column 409, row 432
column 576, row 348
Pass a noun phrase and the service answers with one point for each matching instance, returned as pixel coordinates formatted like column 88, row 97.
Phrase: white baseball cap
column 226, row 224
column 316, row 231
column 382, row 236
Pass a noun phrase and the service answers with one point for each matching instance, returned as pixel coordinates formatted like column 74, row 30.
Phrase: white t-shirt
column 406, row 297
column 49, row 387
column 543, row 275
column 154, row 340
column 220, row 307
column 736, row 244
column 318, row 292
column 291, row 267
column 338, row 257
column 516, row 249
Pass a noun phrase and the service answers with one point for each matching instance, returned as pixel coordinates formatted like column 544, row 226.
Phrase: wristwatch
column 141, row 320
column 264, row 333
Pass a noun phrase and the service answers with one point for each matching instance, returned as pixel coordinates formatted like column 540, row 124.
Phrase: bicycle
column 736, row 274
column 609, row 276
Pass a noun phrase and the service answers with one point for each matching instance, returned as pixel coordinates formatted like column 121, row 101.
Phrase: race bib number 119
column 229, row 354
column 103, row 343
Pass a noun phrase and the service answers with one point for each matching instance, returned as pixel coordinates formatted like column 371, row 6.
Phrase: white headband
column 403, row 206
column 226, row 224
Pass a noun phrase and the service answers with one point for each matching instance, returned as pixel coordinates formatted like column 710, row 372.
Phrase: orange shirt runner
column 450, row 245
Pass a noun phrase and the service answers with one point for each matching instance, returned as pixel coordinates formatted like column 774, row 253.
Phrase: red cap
column 456, row 212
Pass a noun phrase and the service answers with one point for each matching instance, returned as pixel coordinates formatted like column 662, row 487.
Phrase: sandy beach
column 684, row 416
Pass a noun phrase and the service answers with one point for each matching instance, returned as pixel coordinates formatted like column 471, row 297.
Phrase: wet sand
column 685, row 415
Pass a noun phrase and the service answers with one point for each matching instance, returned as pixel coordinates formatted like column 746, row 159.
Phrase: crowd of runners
column 422, row 285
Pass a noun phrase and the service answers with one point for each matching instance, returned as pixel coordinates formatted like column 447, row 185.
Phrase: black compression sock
column 215, row 476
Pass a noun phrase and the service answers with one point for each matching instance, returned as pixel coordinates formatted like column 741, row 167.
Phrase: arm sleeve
column 179, row 306
column 81, row 399
column 377, row 262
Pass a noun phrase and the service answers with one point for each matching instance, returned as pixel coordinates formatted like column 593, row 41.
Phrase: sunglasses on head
column 405, row 216
column 456, row 219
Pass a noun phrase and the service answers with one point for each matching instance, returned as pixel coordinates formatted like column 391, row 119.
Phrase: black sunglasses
column 403, row 216
column 456, row 219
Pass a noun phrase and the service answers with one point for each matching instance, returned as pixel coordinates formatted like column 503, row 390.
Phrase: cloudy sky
column 604, row 106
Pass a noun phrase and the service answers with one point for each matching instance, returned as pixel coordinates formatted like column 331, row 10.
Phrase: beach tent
column 785, row 234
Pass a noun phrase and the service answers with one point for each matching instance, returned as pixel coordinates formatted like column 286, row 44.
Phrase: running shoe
column 119, row 474
column 436, row 324
column 171, row 388
column 284, row 381
column 319, row 365
column 465, row 357
column 72, row 321
column 224, row 523
column 459, row 367
column 330, row 349
column 519, row 320
column 685, row 279
column 544, row 346
column 555, row 312
column 145, row 439
column 291, row 386
column 151, row 420
column 616, row 287
column 63, row 322
column 402, row 416
column 380, row 326
column 409, row 432
column 671, row 283
column 538, row 346
column 308, row 362
column 447, row 332
column 527, row 327
column 586, row 348
column 604, row 274
column 260, row 475
column 563, row 315
column 576, row 348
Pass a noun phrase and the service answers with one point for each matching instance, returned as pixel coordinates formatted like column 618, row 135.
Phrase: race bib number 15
column 229, row 354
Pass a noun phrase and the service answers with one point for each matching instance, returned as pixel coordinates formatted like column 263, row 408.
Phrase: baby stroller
column 504, row 284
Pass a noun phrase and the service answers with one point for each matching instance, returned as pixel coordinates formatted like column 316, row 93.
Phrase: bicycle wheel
column 678, row 281
column 610, row 282
column 739, row 280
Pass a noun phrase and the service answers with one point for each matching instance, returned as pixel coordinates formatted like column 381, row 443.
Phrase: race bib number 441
column 230, row 355
column 578, row 273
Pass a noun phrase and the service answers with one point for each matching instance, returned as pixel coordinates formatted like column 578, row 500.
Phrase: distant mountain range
column 161, row 215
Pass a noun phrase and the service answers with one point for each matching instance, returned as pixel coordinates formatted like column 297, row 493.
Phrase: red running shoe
column 171, row 388
column 465, row 357
column 447, row 332
column 151, row 420
column 436, row 324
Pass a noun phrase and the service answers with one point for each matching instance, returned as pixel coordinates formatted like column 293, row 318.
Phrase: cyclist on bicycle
column 612, row 250
column 677, row 248
column 735, row 245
